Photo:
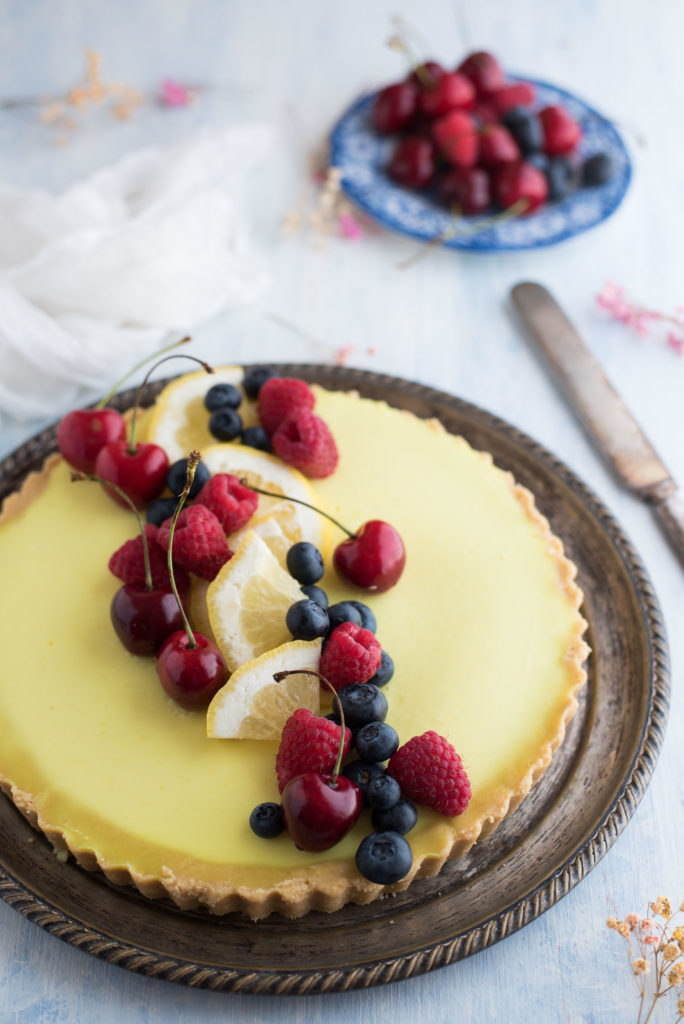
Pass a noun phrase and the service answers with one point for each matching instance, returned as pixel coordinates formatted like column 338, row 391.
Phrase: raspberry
column 308, row 744
column 232, row 503
column 306, row 443
column 199, row 543
column 351, row 655
column 429, row 771
column 282, row 398
column 128, row 563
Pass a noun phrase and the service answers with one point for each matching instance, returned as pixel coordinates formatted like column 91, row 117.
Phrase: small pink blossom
column 651, row 940
column 641, row 320
column 174, row 94
column 632, row 920
column 646, row 924
column 349, row 226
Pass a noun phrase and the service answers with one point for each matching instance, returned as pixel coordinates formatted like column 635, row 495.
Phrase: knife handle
column 669, row 511
column 595, row 401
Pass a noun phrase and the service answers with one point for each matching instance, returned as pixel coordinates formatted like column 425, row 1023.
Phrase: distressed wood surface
column 447, row 323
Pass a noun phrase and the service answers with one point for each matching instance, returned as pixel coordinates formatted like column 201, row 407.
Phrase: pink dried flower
column 639, row 319
column 349, row 226
column 174, row 94
column 632, row 920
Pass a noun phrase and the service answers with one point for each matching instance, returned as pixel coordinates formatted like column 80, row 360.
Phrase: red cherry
column 485, row 112
column 452, row 91
column 456, row 136
column 143, row 618
column 514, row 182
column 428, row 71
column 373, row 558
column 140, row 473
column 497, row 146
column 319, row 812
column 519, row 94
column 467, row 187
column 83, row 432
column 561, row 133
column 413, row 162
column 484, row 71
column 394, row 106
column 191, row 675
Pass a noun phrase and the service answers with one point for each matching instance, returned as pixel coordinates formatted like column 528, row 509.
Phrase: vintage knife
column 601, row 411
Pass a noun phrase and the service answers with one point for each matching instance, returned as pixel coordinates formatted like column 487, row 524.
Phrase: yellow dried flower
column 613, row 923
column 623, row 929
column 680, row 1006
column 640, row 966
column 670, row 951
column 677, row 933
column 661, row 907
column 676, row 975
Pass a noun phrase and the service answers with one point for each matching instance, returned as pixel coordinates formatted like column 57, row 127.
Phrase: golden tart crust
column 93, row 735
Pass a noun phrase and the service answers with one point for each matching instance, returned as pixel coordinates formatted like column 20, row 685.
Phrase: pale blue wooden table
column 446, row 323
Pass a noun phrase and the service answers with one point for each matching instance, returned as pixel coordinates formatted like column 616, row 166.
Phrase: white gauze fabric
column 93, row 279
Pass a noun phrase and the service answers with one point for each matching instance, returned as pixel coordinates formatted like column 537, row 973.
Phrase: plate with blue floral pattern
column 362, row 154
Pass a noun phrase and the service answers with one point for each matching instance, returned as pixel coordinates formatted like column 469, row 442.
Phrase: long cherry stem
column 193, row 459
column 79, row 477
column 279, row 676
column 180, row 355
column 298, row 501
column 138, row 366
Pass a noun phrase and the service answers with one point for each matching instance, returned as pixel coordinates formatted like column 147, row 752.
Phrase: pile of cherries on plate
column 476, row 141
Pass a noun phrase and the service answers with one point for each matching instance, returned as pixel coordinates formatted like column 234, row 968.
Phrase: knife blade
column 600, row 410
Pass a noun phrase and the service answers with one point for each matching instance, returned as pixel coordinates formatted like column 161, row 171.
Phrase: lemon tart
column 484, row 628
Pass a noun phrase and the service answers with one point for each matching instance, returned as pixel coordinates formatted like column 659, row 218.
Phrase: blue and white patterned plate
column 362, row 155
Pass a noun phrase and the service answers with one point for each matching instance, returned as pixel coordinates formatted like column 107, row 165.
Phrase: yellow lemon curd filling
column 483, row 628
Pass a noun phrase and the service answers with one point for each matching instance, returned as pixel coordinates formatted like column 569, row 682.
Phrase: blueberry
column 400, row 817
column 266, row 821
column 316, row 594
column 368, row 620
column 160, row 509
column 362, row 703
column 305, row 562
column 384, row 857
column 222, row 395
column 376, row 741
column 526, row 129
column 385, row 671
column 256, row 437
column 225, row 424
column 383, row 792
column 343, row 611
column 306, row 620
column 176, row 476
column 560, row 177
column 363, row 773
column 597, row 170
column 255, row 378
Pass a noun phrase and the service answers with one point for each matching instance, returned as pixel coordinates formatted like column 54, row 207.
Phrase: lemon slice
column 253, row 706
column 270, row 531
column 179, row 420
column 259, row 468
column 248, row 602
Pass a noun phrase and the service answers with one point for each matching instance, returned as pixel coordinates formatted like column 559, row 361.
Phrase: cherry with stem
column 142, row 615
column 190, row 667
column 372, row 558
column 82, row 433
column 319, row 808
column 139, row 469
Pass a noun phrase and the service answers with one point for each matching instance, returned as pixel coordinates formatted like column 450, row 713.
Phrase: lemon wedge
column 260, row 469
column 179, row 420
column 248, row 601
column 253, row 706
column 270, row 531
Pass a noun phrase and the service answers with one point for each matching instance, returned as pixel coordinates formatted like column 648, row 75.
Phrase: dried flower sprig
column 642, row 320
column 655, row 950
column 65, row 112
